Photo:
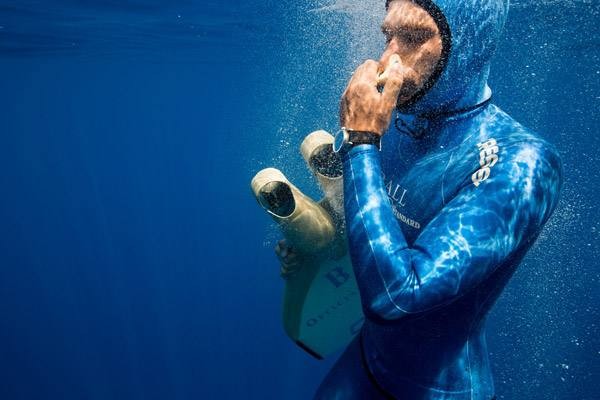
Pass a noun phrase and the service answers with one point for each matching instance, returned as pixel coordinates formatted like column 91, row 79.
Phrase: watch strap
column 363, row 137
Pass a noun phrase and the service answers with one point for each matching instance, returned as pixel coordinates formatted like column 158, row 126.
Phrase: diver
column 443, row 196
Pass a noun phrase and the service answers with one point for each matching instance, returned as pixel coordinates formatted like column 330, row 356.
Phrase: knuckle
column 362, row 86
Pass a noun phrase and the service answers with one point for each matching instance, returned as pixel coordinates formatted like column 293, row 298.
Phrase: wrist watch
column 347, row 138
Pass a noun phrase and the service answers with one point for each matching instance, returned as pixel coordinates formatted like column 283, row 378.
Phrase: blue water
column 134, row 263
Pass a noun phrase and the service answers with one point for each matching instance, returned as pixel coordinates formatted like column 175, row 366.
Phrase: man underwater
column 440, row 206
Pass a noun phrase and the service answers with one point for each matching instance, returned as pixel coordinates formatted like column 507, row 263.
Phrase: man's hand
column 363, row 107
column 288, row 258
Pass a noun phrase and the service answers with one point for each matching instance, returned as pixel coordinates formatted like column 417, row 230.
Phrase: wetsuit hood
column 470, row 31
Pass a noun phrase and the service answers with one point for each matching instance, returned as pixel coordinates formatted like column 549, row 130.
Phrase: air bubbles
column 363, row 22
column 547, row 3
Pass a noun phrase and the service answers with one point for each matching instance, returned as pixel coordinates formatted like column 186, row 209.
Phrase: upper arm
column 484, row 225
column 480, row 228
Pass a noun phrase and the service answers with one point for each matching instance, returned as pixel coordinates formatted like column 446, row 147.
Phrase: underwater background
column 134, row 262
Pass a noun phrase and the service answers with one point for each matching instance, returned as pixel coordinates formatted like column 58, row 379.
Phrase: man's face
column 413, row 36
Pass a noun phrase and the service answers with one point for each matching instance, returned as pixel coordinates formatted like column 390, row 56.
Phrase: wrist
column 347, row 138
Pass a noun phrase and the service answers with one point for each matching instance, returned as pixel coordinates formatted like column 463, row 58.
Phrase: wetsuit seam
column 444, row 177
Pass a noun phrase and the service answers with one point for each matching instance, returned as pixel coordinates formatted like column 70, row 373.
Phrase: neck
column 417, row 125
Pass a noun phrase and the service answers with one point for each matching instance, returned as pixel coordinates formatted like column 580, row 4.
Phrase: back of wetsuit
column 437, row 223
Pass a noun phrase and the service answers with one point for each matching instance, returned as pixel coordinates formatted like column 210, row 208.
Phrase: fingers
column 289, row 260
column 343, row 109
column 287, row 271
column 382, row 78
column 364, row 76
column 365, row 68
column 363, row 106
column 392, row 86
column 282, row 250
column 368, row 71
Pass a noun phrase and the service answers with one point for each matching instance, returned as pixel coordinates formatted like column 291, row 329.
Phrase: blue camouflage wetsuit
column 437, row 223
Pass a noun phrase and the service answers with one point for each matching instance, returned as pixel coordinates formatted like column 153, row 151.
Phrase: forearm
column 379, row 251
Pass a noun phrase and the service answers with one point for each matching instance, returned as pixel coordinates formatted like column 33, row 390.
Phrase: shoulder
column 518, row 144
column 516, row 159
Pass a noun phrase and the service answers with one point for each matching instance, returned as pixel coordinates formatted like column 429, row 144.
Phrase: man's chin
column 405, row 100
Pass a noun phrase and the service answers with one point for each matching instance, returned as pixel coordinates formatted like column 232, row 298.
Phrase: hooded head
column 470, row 30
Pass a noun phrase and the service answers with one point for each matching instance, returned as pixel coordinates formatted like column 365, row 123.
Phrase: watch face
column 338, row 140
